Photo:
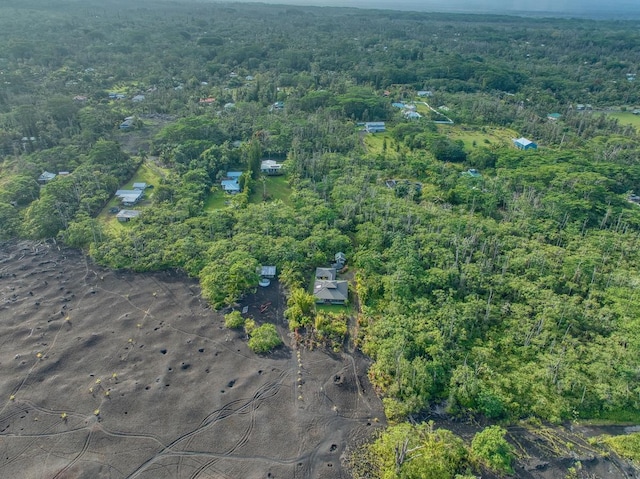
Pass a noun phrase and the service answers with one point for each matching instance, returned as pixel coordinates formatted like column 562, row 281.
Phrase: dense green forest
column 495, row 281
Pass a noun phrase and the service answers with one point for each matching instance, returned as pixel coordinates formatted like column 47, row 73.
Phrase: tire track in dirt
column 266, row 391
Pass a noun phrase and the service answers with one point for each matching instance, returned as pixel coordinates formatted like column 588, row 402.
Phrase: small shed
column 472, row 172
column 127, row 215
column 140, row 186
column 268, row 272
column 524, row 144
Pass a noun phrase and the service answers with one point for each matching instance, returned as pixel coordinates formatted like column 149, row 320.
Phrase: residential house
column 397, row 104
column 328, row 290
column 271, row 167
column 374, row 127
column 231, row 184
column 46, row 177
column 140, row 186
column 137, row 98
column 524, row 144
column 127, row 123
column 129, row 197
column 127, row 215
column 412, row 115
column 553, row 116
column 425, row 93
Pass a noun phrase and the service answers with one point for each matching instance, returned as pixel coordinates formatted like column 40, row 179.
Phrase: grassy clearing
column 148, row 173
column 626, row 118
column 272, row 188
column 482, row 136
column 374, row 143
column 217, row 199
column 334, row 308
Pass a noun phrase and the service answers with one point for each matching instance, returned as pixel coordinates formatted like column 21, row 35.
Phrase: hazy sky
column 581, row 8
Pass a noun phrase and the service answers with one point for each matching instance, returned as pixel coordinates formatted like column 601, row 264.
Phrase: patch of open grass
column 482, row 136
column 626, row 118
column 148, row 173
column 334, row 308
column 375, row 143
column 271, row 188
column 217, row 199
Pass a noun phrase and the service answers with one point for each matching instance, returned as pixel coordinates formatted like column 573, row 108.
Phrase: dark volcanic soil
column 109, row 374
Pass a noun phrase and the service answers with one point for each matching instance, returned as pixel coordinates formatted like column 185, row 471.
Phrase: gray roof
column 46, row 176
column 129, row 196
column 331, row 290
column 128, row 214
column 326, row 273
column 139, row 186
column 268, row 271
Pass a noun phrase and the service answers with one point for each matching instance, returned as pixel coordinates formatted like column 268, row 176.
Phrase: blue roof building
column 231, row 183
column 524, row 144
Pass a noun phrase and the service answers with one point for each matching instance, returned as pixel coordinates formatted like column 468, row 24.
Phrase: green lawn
column 482, row 136
column 148, row 173
column 217, row 199
column 375, row 143
column 273, row 188
column 334, row 308
column 626, row 118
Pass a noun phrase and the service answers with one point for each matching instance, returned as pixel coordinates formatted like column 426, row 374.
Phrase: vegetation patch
column 271, row 188
column 627, row 446
column 264, row 338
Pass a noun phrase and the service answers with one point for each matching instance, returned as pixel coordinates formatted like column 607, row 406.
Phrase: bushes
column 491, row 448
column 233, row 320
column 264, row 338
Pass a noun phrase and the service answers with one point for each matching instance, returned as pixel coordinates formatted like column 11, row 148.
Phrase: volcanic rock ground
column 112, row 374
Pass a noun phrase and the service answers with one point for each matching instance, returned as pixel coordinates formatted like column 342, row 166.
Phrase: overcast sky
column 579, row 8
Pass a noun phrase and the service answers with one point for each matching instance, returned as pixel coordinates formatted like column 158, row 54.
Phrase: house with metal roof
column 140, row 186
column 129, row 197
column 271, row 168
column 268, row 272
column 231, row 183
column 524, row 144
column 374, row 127
column 127, row 215
column 46, row 177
